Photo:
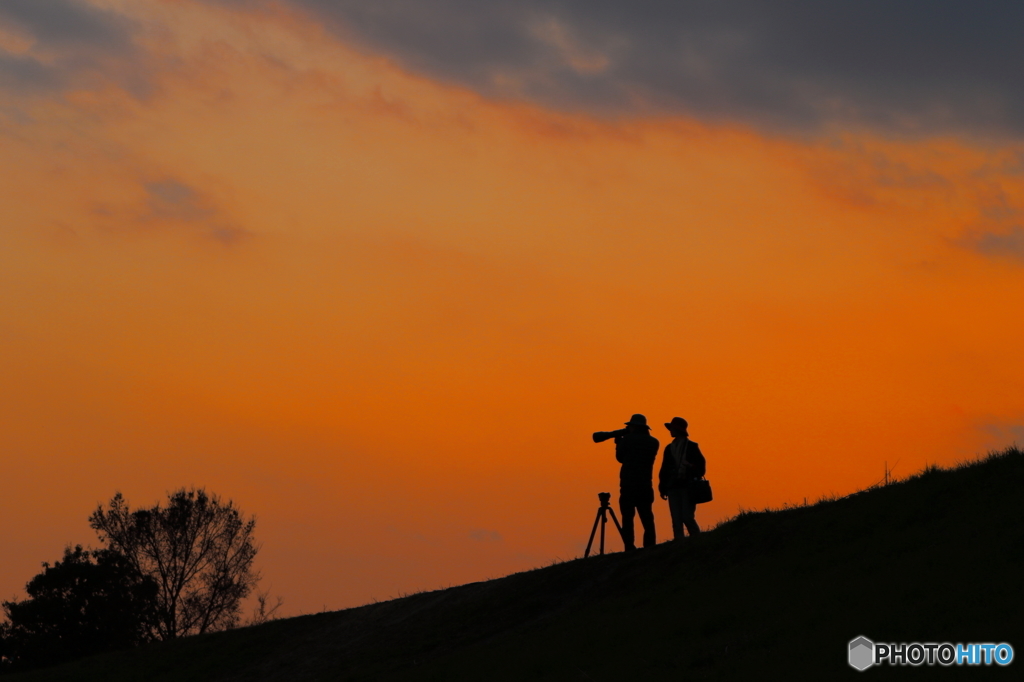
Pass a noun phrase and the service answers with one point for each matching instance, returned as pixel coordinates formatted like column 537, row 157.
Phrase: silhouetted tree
column 199, row 551
column 84, row 604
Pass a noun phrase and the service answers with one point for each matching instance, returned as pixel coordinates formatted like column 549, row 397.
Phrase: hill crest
column 907, row 561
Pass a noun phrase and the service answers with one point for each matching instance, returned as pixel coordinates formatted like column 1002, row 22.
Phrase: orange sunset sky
column 378, row 278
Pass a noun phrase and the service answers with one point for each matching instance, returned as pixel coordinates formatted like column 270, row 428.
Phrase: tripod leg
column 618, row 526
column 604, row 520
column 593, row 530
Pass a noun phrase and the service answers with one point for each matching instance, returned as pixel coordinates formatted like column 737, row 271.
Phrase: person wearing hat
column 682, row 462
column 636, row 449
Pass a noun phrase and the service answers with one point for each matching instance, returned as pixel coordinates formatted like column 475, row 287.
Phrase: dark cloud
column 72, row 44
column 26, row 73
column 1009, row 244
column 913, row 65
column 67, row 23
column 910, row 65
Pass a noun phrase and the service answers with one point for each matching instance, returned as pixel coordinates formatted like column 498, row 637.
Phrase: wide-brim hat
column 676, row 423
column 638, row 420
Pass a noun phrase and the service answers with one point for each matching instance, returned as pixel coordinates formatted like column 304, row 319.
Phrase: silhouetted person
column 682, row 463
column 636, row 449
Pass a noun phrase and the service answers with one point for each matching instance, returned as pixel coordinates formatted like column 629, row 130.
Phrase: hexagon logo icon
column 862, row 653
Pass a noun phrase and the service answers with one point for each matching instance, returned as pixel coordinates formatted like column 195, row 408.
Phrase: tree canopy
column 86, row 603
column 199, row 551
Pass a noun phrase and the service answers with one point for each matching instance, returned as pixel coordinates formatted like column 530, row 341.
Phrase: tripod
column 602, row 518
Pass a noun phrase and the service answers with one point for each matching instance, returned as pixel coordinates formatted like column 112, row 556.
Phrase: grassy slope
column 773, row 595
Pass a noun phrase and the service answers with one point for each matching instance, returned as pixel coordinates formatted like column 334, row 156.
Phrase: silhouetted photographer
column 636, row 449
column 682, row 466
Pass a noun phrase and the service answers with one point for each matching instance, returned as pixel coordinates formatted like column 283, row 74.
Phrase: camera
column 605, row 498
column 602, row 436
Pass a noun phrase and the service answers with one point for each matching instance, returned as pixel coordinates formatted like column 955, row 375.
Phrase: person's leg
column 687, row 510
column 627, row 509
column 690, row 518
column 676, row 504
column 646, row 514
column 645, row 510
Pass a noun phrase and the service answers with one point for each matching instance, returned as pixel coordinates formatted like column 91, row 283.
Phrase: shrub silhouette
column 199, row 551
column 84, row 604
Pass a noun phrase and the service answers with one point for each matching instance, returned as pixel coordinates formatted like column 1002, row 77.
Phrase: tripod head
column 602, row 518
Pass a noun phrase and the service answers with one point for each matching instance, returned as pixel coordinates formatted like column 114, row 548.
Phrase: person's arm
column 664, row 473
column 697, row 461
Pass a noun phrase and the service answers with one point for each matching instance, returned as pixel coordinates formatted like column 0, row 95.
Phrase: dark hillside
column 769, row 595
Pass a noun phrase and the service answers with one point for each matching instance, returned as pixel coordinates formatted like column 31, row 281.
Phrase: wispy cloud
column 1008, row 244
column 483, row 535
column 1005, row 433
column 174, row 202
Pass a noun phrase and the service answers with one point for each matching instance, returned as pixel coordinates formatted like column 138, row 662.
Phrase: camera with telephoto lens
column 602, row 436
